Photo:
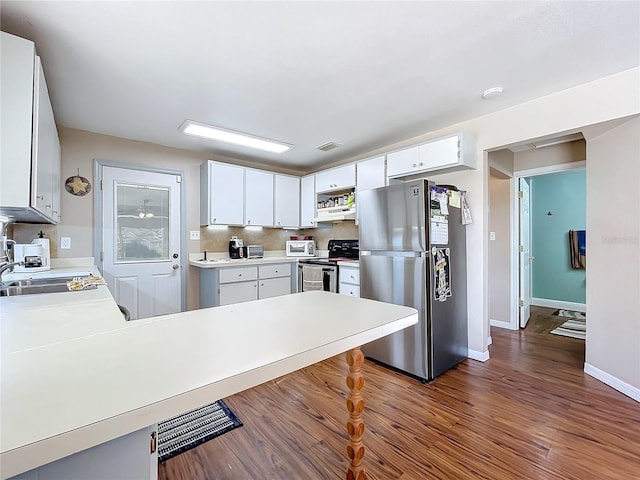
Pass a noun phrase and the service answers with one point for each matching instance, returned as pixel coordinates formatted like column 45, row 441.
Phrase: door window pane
column 142, row 223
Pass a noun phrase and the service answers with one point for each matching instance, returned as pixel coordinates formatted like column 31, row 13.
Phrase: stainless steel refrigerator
column 413, row 252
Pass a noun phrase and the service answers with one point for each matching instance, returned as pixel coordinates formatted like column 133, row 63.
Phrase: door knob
column 175, row 266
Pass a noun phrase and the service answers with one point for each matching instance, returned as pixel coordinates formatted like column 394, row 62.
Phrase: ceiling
column 364, row 74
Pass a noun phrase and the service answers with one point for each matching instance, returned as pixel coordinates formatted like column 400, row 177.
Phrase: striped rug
column 575, row 327
column 183, row 432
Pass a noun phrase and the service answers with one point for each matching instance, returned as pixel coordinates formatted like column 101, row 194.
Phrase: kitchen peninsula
column 76, row 375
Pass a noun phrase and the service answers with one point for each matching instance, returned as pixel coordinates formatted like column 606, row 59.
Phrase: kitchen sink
column 38, row 285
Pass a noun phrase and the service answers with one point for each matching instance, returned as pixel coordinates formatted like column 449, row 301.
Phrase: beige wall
column 499, row 249
column 551, row 155
column 613, row 248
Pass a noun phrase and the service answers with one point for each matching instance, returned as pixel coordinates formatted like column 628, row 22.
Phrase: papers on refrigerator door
column 439, row 230
column 441, row 274
column 454, row 199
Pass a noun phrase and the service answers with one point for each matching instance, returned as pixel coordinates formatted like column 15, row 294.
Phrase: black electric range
column 322, row 273
column 339, row 250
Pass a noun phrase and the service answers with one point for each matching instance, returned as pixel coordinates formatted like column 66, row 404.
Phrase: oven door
column 317, row 277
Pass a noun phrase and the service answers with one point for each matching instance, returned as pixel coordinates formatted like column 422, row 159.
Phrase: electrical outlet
column 65, row 243
column 194, row 234
column 492, row 235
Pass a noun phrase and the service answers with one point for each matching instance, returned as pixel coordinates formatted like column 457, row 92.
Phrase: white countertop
column 75, row 375
column 241, row 262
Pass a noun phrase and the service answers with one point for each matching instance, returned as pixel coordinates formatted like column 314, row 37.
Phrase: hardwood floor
column 529, row 412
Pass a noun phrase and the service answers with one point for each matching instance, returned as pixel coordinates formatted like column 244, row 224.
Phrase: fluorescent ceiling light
column 228, row 136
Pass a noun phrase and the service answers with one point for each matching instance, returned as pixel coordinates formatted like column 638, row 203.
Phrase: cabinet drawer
column 274, row 271
column 347, row 289
column 230, row 275
column 349, row 275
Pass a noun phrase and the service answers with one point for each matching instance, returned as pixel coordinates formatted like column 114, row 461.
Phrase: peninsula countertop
column 75, row 374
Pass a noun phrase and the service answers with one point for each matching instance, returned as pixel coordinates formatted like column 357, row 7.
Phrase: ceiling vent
column 325, row 147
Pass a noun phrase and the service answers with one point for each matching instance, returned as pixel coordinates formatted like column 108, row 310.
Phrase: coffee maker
column 236, row 247
column 34, row 256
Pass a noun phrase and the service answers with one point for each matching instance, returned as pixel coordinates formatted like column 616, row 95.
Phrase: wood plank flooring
column 529, row 412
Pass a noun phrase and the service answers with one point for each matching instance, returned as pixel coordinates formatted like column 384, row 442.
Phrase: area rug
column 576, row 327
column 182, row 432
column 570, row 314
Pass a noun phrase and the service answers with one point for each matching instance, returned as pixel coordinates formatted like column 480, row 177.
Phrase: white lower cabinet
column 133, row 456
column 238, row 292
column 225, row 286
column 275, row 280
column 349, row 281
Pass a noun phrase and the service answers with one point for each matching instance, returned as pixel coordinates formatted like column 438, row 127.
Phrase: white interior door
column 525, row 253
column 141, row 240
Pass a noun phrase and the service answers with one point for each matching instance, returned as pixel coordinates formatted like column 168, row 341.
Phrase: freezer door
column 393, row 218
column 399, row 279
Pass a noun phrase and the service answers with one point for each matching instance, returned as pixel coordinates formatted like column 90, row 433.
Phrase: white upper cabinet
column 307, row 202
column 30, row 149
column 287, row 201
column 448, row 153
column 339, row 178
column 371, row 174
column 258, row 195
column 221, row 194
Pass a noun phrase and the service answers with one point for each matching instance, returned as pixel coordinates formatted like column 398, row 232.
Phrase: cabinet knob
column 248, row 222
column 239, row 274
column 421, row 164
column 48, row 206
column 40, row 197
column 214, row 220
column 415, row 165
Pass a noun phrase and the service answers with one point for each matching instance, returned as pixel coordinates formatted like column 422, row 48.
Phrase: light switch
column 65, row 243
column 194, row 234
column 492, row 235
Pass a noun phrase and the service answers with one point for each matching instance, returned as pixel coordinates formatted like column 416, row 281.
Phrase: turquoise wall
column 564, row 195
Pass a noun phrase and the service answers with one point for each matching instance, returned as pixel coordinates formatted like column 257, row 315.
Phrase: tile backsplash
column 216, row 238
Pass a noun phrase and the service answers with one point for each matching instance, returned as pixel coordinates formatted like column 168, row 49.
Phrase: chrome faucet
column 8, row 266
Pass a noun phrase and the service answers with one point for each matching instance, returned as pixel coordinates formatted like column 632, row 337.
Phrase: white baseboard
column 543, row 302
column 501, row 324
column 480, row 356
column 613, row 382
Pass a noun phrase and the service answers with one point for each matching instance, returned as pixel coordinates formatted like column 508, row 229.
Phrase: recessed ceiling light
column 236, row 138
column 492, row 93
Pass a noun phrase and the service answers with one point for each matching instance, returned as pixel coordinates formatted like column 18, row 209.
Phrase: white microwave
column 301, row 248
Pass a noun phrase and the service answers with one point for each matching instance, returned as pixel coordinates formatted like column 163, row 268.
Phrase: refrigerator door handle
column 381, row 253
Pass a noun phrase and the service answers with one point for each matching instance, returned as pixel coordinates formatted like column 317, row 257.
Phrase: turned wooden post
column 355, row 405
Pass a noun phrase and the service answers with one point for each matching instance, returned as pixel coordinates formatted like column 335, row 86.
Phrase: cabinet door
column 16, row 97
column 238, row 292
column 226, row 194
column 258, row 198
column 287, row 201
column 336, row 178
column 371, row 174
column 308, row 202
column 130, row 456
column 274, row 287
column 403, row 161
column 46, row 147
column 439, row 153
